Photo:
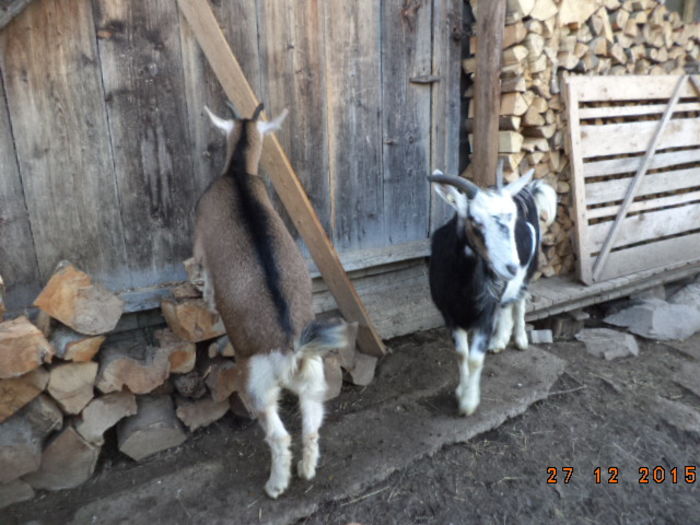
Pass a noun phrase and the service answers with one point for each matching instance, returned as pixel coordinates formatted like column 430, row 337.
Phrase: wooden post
column 276, row 164
column 487, row 90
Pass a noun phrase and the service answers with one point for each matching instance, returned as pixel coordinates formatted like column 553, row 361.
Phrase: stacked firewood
column 546, row 40
column 68, row 377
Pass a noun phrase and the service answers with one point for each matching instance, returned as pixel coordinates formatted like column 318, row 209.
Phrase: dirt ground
column 598, row 414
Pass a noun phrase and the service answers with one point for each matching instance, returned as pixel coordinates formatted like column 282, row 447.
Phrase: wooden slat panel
column 139, row 48
column 677, row 249
column 56, row 104
column 353, row 76
column 659, row 202
column 632, row 111
column 573, row 142
column 646, row 226
column 630, row 164
column 627, row 87
column 632, row 137
column 292, row 54
column 18, row 264
column 406, row 53
column 445, row 127
column 614, row 190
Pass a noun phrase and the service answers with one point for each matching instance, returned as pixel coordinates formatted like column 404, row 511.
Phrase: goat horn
column 232, row 109
column 499, row 175
column 468, row 187
column 257, row 111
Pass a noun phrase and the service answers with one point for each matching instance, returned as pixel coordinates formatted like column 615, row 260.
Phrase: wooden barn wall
column 104, row 147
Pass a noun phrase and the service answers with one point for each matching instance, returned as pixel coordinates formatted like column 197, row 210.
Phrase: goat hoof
column 521, row 344
column 274, row 488
column 306, row 471
column 497, row 349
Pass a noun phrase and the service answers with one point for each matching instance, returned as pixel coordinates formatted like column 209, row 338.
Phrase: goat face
column 255, row 131
column 488, row 218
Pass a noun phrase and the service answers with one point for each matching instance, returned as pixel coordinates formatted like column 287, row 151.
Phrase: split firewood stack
column 546, row 40
column 67, row 378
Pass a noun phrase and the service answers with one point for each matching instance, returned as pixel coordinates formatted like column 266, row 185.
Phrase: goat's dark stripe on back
column 256, row 220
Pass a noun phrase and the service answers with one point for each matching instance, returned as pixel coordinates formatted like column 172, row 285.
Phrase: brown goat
column 258, row 280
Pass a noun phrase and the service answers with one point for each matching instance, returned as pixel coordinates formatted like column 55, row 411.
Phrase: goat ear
column 269, row 126
column 514, row 187
column 451, row 196
column 224, row 125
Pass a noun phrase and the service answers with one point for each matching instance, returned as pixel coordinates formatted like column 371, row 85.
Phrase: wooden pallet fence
column 613, row 124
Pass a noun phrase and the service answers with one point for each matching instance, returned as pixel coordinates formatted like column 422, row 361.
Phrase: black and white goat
column 259, row 282
column 480, row 265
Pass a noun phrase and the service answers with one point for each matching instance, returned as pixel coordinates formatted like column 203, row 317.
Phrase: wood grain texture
column 406, row 53
column 445, row 124
column 354, row 100
column 633, row 137
column 275, row 162
column 239, row 23
column 627, row 88
column 292, row 57
column 56, row 104
column 18, row 263
column 630, row 164
column 647, row 226
column 139, row 49
column 10, row 9
column 487, row 90
column 614, row 190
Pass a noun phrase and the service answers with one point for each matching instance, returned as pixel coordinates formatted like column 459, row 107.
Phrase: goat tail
column 545, row 200
column 319, row 337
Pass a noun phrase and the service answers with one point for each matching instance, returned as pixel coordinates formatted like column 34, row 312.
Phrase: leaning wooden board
column 276, row 164
column 612, row 121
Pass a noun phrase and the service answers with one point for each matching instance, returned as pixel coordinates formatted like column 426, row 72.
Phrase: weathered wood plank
column 630, row 164
column 292, row 54
column 573, row 141
column 633, row 111
column 239, row 23
column 487, row 90
column 628, row 87
column 632, row 137
column 18, row 264
column 139, row 49
column 52, row 79
column 354, row 99
column 445, row 126
column 277, row 165
column 630, row 260
column 406, row 53
column 652, row 183
column 647, row 226
column 646, row 205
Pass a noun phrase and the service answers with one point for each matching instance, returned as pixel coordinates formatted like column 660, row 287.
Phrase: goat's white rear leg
column 264, row 393
column 519, row 322
column 504, row 328
column 311, row 394
column 461, row 341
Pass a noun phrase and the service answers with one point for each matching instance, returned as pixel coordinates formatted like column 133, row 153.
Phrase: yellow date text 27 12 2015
column 611, row 475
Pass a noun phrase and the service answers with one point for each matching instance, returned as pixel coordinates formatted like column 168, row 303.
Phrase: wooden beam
column 487, row 90
column 276, row 164
column 636, row 182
